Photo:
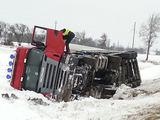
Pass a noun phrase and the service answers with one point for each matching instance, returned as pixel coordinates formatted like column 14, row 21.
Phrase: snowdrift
column 127, row 104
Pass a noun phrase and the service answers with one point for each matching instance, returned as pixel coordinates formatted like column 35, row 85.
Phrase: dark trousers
column 68, row 39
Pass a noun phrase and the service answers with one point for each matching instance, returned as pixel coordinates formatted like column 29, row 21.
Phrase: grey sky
column 114, row 17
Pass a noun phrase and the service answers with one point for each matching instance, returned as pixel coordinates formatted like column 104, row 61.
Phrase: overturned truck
column 45, row 68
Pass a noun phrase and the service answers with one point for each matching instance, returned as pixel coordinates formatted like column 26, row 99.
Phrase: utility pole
column 118, row 44
column 55, row 24
column 134, row 34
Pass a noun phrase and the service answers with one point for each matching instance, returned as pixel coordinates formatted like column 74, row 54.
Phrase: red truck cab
column 50, row 44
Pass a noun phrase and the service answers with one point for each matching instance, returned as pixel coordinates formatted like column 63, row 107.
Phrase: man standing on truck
column 68, row 35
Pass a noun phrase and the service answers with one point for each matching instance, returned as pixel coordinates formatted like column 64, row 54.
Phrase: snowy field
column 141, row 103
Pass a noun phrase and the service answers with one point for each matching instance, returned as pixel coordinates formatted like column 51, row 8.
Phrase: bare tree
column 19, row 31
column 1, row 29
column 81, row 39
column 108, row 42
column 5, row 33
column 81, row 36
column 149, row 31
column 157, row 52
column 28, row 37
column 89, row 42
column 104, row 41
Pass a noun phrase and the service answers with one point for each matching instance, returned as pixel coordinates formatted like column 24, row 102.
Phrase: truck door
column 52, row 41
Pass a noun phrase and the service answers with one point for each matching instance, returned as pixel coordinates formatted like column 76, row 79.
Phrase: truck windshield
column 32, row 69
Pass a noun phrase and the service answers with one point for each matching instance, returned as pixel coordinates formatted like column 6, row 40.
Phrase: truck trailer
column 46, row 68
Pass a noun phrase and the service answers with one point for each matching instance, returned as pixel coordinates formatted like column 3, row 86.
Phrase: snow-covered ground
column 141, row 103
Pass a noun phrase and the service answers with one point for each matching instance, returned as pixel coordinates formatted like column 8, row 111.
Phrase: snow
column 127, row 104
column 80, row 47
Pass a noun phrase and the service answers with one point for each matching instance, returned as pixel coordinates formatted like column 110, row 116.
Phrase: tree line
column 14, row 33
column 148, row 33
column 21, row 33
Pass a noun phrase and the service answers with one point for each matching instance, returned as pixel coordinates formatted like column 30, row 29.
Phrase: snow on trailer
column 46, row 69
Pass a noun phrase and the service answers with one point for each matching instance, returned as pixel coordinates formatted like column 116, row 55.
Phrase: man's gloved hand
column 63, row 30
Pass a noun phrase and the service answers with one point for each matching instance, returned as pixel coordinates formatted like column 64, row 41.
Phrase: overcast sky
column 114, row 17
